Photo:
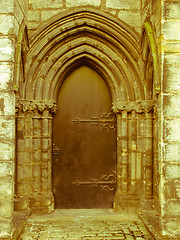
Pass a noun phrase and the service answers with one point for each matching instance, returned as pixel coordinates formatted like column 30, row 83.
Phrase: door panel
column 84, row 139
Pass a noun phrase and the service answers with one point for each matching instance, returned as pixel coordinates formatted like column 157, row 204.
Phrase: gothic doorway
column 84, row 138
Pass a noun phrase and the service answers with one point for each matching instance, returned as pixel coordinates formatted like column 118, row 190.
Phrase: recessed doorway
column 84, row 142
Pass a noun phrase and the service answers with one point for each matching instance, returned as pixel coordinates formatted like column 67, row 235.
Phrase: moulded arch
column 84, row 34
column 149, row 54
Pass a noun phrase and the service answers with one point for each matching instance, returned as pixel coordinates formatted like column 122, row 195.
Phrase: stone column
column 131, row 142
column 34, row 175
column 119, row 163
column 22, row 161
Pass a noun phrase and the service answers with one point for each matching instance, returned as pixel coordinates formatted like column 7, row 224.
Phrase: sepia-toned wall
column 127, row 10
column 157, row 25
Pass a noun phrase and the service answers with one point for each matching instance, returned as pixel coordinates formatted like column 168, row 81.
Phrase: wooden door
column 84, row 143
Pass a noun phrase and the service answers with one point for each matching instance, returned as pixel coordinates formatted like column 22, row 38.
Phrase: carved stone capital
column 137, row 106
column 32, row 105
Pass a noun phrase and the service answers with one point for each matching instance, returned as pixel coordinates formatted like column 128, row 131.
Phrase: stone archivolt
column 89, row 37
column 110, row 47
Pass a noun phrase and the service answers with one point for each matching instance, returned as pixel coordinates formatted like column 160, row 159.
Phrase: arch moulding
column 80, row 37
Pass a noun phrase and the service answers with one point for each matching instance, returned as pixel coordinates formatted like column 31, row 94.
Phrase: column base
column 21, row 203
column 125, row 203
column 42, row 203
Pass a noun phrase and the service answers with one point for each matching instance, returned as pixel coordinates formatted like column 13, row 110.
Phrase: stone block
column 33, row 25
column 5, row 229
column 172, row 208
column 171, row 106
column 27, row 171
column 172, row 152
column 7, row 187
column 77, row 3
column 171, row 73
column 7, row 103
column 36, row 171
column 132, row 18
column 171, row 47
column 171, row 227
column 6, row 208
column 6, row 76
column 172, row 171
column 7, row 151
column 6, row 49
column 6, row 24
column 45, row 145
column 43, row 4
column 34, row 15
column 123, row 4
column 171, row 10
column 47, row 14
column 6, row 169
column 172, row 130
column 36, row 144
column 7, row 126
column 177, row 188
column 169, row 29
column 169, row 189
column 7, row 6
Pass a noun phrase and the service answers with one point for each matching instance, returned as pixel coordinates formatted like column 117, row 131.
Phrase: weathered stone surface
column 45, row 15
column 7, row 151
column 170, row 30
column 172, row 171
column 6, row 169
column 171, row 10
column 133, row 18
column 7, row 6
column 171, row 73
column 7, row 126
column 34, row 15
column 171, row 105
column 6, row 49
column 171, row 226
column 123, row 4
column 7, row 188
column 6, row 72
column 172, row 129
column 77, row 3
column 9, row 103
column 6, row 24
column 40, row 4
column 172, row 152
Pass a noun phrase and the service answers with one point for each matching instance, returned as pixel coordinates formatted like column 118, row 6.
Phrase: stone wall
column 11, row 15
column 127, row 10
column 170, row 117
column 7, row 118
column 164, row 17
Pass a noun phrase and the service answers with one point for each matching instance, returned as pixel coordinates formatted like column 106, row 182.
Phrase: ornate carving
column 137, row 106
column 107, row 182
column 106, row 120
column 40, row 105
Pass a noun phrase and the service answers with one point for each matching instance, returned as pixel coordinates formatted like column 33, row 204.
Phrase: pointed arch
column 150, row 58
column 84, row 36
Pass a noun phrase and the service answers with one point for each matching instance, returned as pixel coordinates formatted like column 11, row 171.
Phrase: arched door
column 84, row 143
